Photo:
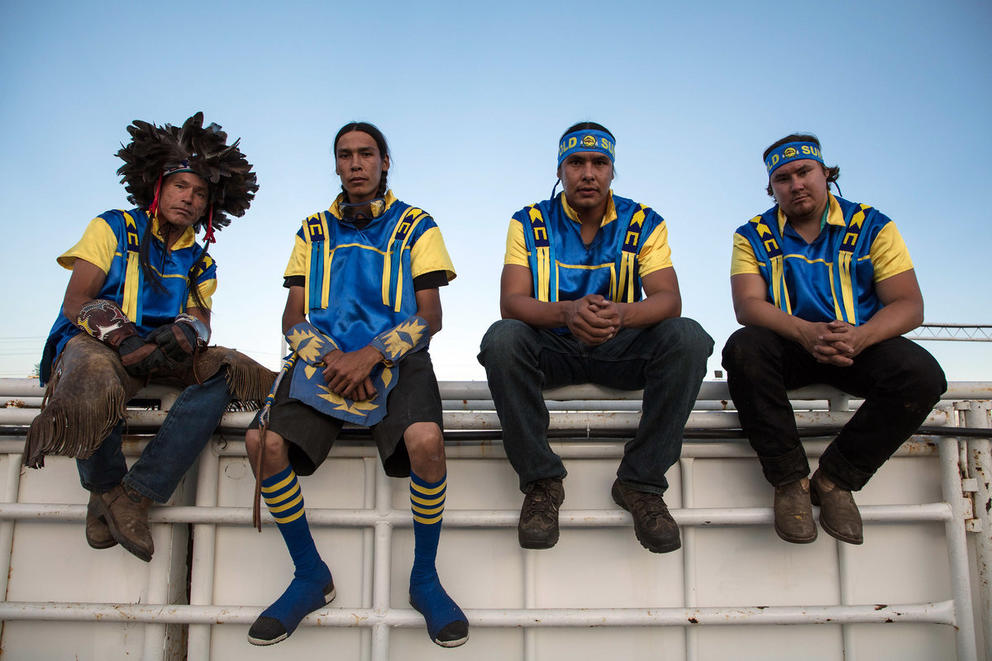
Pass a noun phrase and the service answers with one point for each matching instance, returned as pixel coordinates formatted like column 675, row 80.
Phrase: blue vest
column 831, row 278
column 147, row 305
column 360, row 282
column 564, row 268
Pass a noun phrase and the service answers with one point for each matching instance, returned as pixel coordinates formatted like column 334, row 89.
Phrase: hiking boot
column 538, row 526
column 839, row 514
column 654, row 526
column 97, row 532
column 126, row 512
column 793, row 512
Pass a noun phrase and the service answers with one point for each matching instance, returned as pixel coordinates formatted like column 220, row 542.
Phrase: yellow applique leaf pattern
column 346, row 405
column 403, row 338
column 309, row 345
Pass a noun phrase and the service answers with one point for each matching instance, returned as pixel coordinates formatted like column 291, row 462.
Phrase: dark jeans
column 898, row 379
column 668, row 360
column 191, row 421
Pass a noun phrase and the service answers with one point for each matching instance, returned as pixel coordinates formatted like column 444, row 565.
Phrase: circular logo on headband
column 790, row 152
column 588, row 141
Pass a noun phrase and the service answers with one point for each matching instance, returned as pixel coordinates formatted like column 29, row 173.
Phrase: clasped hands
column 593, row 319
column 833, row 343
column 347, row 372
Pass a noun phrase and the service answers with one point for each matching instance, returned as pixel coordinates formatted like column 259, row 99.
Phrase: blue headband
column 586, row 140
column 792, row 151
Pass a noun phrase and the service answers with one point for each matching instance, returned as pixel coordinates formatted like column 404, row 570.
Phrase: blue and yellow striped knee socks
column 312, row 586
column 446, row 622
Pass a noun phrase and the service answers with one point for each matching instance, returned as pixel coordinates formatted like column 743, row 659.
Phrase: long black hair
column 380, row 142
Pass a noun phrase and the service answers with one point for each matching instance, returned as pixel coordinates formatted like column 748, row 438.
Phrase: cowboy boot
column 126, row 512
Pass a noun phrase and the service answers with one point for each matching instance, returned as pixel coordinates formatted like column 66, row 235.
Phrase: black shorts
column 310, row 433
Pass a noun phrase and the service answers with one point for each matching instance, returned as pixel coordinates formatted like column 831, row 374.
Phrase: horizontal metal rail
column 479, row 390
column 940, row 612
column 453, row 518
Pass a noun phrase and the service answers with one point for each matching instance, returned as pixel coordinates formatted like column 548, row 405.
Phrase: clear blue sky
column 472, row 97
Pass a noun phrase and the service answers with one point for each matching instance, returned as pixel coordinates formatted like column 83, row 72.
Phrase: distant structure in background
column 953, row 332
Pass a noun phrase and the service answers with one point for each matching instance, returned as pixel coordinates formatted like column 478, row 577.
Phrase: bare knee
column 275, row 451
column 425, row 445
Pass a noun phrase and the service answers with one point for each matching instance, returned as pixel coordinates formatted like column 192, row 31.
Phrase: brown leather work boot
column 538, row 525
column 97, row 532
column 126, row 512
column 794, row 513
column 654, row 526
column 839, row 514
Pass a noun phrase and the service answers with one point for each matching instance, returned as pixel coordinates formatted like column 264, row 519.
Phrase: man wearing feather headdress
column 137, row 310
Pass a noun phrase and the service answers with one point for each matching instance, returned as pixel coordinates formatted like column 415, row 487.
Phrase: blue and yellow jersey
column 834, row 276
column 632, row 242
column 359, row 282
column 111, row 242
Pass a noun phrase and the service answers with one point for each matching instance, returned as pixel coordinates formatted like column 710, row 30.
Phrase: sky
column 472, row 98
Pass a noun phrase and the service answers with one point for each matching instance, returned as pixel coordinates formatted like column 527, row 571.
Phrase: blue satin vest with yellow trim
column 831, row 278
column 564, row 268
column 145, row 304
column 359, row 282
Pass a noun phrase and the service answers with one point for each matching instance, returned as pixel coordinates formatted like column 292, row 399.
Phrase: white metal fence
column 372, row 520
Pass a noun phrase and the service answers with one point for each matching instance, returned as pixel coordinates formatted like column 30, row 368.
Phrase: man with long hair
column 363, row 303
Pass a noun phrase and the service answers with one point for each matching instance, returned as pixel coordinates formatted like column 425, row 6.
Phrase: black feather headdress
column 157, row 151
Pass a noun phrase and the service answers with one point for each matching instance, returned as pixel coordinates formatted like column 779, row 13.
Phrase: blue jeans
column 184, row 433
column 667, row 360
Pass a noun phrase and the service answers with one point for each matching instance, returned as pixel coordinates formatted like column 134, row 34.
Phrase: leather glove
column 141, row 358
column 176, row 340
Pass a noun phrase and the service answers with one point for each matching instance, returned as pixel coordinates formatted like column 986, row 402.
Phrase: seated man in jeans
column 136, row 311
column 824, row 288
column 573, row 312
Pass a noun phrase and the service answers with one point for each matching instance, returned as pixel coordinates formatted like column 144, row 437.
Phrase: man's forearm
column 651, row 310
column 541, row 314
column 754, row 312
column 891, row 321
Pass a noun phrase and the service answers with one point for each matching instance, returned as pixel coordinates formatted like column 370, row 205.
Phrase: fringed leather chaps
column 89, row 391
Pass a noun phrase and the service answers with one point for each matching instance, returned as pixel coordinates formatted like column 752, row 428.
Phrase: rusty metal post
column 977, row 415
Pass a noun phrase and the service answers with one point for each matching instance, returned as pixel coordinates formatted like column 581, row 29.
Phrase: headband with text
column 792, row 151
column 586, row 140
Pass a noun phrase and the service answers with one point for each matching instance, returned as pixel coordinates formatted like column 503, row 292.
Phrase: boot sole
column 452, row 643
column 797, row 540
column 536, row 544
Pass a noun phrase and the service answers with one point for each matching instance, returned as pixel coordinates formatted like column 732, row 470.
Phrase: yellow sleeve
column 516, row 246
column 743, row 260
column 655, row 254
column 98, row 245
column 297, row 259
column 889, row 254
column 429, row 254
column 207, row 290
